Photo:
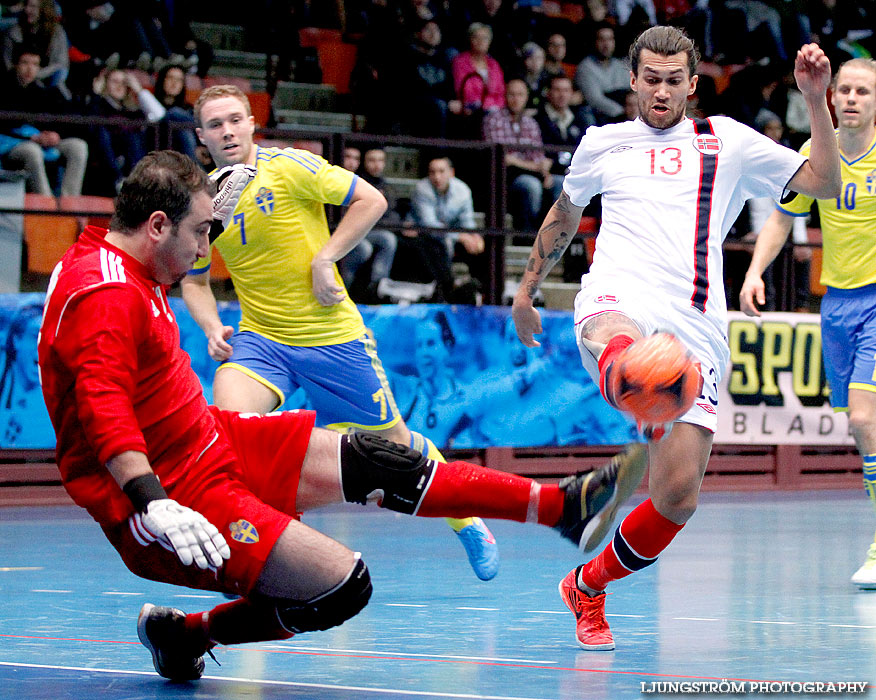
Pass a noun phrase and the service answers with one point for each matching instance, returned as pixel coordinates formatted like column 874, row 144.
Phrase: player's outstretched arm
column 201, row 303
column 555, row 235
column 819, row 176
column 769, row 242
column 159, row 518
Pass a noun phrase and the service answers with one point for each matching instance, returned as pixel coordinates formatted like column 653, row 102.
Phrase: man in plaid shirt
column 528, row 170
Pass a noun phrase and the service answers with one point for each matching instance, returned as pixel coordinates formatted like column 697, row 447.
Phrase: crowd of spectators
column 503, row 71
column 84, row 58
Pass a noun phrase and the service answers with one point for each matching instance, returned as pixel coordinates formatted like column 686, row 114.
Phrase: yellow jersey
column 848, row 223
column 278, row 226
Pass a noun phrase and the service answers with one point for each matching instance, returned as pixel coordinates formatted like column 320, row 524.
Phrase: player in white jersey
column 671, row 187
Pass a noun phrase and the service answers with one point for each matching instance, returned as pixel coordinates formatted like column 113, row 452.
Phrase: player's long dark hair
column 664, row 41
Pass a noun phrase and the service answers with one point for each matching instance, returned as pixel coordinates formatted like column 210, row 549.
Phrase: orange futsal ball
column 655, row 380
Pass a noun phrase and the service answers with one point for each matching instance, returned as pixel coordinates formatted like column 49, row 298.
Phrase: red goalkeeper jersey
column 115, row 378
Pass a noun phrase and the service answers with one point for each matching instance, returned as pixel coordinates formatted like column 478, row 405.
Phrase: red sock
column 237, row 622
column 461, row 489
column 615, row 347
column 641, row 536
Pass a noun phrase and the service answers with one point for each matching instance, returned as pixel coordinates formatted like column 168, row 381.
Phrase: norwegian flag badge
column 707, row 144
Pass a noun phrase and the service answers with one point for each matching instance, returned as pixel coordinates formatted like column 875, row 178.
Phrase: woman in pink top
column 477, row 76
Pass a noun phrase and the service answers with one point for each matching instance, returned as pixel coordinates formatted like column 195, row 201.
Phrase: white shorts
column 653, row 311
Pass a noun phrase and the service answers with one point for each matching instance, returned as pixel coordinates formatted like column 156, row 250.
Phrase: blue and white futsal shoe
column 481, row 548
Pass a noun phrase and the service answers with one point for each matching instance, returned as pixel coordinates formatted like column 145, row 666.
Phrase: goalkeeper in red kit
column 199, row 497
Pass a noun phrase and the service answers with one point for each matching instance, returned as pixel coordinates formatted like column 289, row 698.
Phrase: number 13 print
column 668, row 161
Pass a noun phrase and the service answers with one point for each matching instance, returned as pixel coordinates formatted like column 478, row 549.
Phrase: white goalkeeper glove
column 185, row 531
column 230, row 181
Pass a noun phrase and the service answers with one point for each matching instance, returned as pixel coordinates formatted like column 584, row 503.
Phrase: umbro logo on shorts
column 708, row 408
column 605, row 299
column 620, row 149
column 244, row 531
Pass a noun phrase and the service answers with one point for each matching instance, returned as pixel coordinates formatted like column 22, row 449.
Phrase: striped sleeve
column 97, row 339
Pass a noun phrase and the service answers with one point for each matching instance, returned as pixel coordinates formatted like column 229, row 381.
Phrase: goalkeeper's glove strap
column 142, row 490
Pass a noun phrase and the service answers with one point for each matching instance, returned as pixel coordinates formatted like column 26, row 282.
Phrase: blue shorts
column 848, row 341
column 345, row 383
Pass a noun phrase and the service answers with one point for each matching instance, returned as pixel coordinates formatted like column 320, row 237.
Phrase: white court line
column 120, row 593
column 699, row 619
column 192, row 595
column 20, row 568
column 549, row 612
column 405, row 605
column 770, row 622
column 48, row 590
column 488, row 609
column 863, row 627
column 287, row 684
column 368, row 652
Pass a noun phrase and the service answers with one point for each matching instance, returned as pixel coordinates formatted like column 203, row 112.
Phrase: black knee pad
column 376, row 469
column 331, row 608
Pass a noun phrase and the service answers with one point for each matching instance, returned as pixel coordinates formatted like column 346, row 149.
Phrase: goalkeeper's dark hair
column 214, row 93
column 162, row 181
column 664, row 41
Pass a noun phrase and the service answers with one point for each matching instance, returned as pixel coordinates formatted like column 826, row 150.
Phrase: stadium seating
column 47, row 236
column 92, row 210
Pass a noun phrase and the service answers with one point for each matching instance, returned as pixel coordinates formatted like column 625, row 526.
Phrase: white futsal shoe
column 865, row 577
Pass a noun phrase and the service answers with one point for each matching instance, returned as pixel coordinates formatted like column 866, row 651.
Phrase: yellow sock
column 433, row 452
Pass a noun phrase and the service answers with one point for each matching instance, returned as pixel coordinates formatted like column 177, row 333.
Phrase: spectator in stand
column 555, row 55
column 149, row 17
column 38, row 27
column 844, row 29
column 443, row 201
column 30, row 147
column 352, row 159
column 107, row 32
column 478, row 79
column 561, row 124
column 752, row 89
column 118, row 93
column 555, row 62
column 534, row 74
column 603, row 79
column 379, row 244
column 761, row 20
column 624, row 11
column 528, row 170
column 498, row 15
column 170, row 91
column 428, row 83
column 412, row 13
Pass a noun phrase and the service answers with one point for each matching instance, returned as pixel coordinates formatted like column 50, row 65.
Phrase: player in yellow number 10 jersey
column 848, row 310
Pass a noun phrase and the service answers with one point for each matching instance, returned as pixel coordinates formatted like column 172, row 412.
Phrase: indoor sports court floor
column 754, row 589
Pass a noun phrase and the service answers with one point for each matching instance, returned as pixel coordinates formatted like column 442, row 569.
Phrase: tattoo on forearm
column 560, row 246
column 563, row 203
column 531, row 289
